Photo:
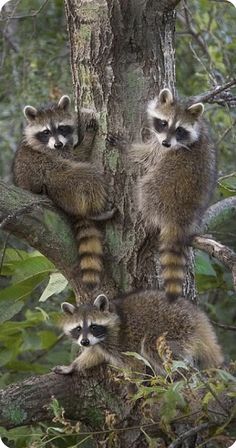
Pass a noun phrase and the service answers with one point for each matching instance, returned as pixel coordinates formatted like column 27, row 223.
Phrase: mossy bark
column 122, row 54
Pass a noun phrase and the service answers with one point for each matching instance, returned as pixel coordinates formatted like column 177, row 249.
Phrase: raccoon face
column 52, row 128
column 174, row 125
column 89, row 325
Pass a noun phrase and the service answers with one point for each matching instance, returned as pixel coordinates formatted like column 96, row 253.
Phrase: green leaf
column 176, row 365
column 140, row 358
column 226, row 376
column 227, row 185
column 21, row 289
column 57, row 283
column 9, row 308
column 48, row 339
column 31, row 267
column 203, row 264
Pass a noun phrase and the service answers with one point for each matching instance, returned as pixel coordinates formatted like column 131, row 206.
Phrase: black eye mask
column 65, row 130
column 181, row 133
column 160, row 125
column 75, row 332
column 98, row 331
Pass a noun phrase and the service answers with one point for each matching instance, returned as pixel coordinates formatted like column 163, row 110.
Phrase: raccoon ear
column 30, row 113
column 64, row 102
column 67, row 308
column 101, row 302
column 152, row 106
column 165, row 96
column 196, row 109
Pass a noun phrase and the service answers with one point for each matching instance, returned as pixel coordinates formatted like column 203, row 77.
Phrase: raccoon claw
column 105, row 216
column 117, row 140
column 63, row 370
column 92, row 125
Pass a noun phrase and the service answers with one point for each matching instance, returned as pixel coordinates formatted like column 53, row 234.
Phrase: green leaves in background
column 210, row 274
column 227, row 185
column 24, row 342
column 57, row 283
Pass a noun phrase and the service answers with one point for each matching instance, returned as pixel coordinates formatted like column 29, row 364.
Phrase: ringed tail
column 90, row 252
column 172, row 251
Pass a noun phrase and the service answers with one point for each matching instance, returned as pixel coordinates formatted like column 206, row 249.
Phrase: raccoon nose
column 166, row 143
column 84, row 342
column 58, row 145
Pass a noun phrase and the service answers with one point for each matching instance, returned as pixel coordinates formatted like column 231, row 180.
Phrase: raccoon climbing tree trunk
column 122, row 54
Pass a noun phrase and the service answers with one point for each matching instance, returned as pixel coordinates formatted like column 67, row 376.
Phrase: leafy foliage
column 26, row 339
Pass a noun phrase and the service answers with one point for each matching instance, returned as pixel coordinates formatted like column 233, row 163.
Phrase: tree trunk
column 122, row 54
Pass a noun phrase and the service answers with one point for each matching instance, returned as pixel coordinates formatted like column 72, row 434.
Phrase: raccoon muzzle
column 90, row 252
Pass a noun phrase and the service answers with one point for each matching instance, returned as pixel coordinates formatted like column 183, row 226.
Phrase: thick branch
column 217, row 250
column 220, row 212
column 84, row 397
column 33, row 218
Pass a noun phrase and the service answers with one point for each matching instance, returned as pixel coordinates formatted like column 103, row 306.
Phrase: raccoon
column 178, row 176
column 105, row 330
column 47, row 163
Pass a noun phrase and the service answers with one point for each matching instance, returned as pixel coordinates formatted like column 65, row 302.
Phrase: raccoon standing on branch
column 178, row 176
column 105, row 330
column 46, row 162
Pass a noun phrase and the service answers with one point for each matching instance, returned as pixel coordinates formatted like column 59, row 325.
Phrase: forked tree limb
column 218, row 251
column 219, row 94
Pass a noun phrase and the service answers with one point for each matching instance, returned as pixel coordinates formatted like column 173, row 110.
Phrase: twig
column 192, row 30
column 24, row 16
column 190, row 433
column 217, row 250
column 224, row 326
column 211, row 94
column 226, row 132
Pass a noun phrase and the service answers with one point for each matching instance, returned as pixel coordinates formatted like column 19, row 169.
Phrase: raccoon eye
column 159, row 125
column 76, row 332
column 181, row 133
column 65, row 130
column 45, row 132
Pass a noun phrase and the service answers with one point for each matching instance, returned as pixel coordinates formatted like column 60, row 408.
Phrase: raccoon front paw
column 89, row 120
column 105, row 216
column 92, row 125
column 63, row 370
column 117, row 140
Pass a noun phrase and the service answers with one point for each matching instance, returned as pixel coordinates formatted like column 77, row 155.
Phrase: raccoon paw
column 105, row 216
column 92, row 125
column 89, row 120
column 63, row 370
column 117, row 140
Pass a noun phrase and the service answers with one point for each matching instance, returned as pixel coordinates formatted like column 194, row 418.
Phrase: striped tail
column 90, row 252
column 173, row 260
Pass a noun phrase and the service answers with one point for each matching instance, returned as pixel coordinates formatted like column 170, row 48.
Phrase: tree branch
column 85, row 396
column 190, row 433
column 220, row 212
column 218, row 95
column 35, row 219
column 217, row 250
column 25, row 16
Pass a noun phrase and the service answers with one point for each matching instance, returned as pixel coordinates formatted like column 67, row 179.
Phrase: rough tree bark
column 122, row 53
